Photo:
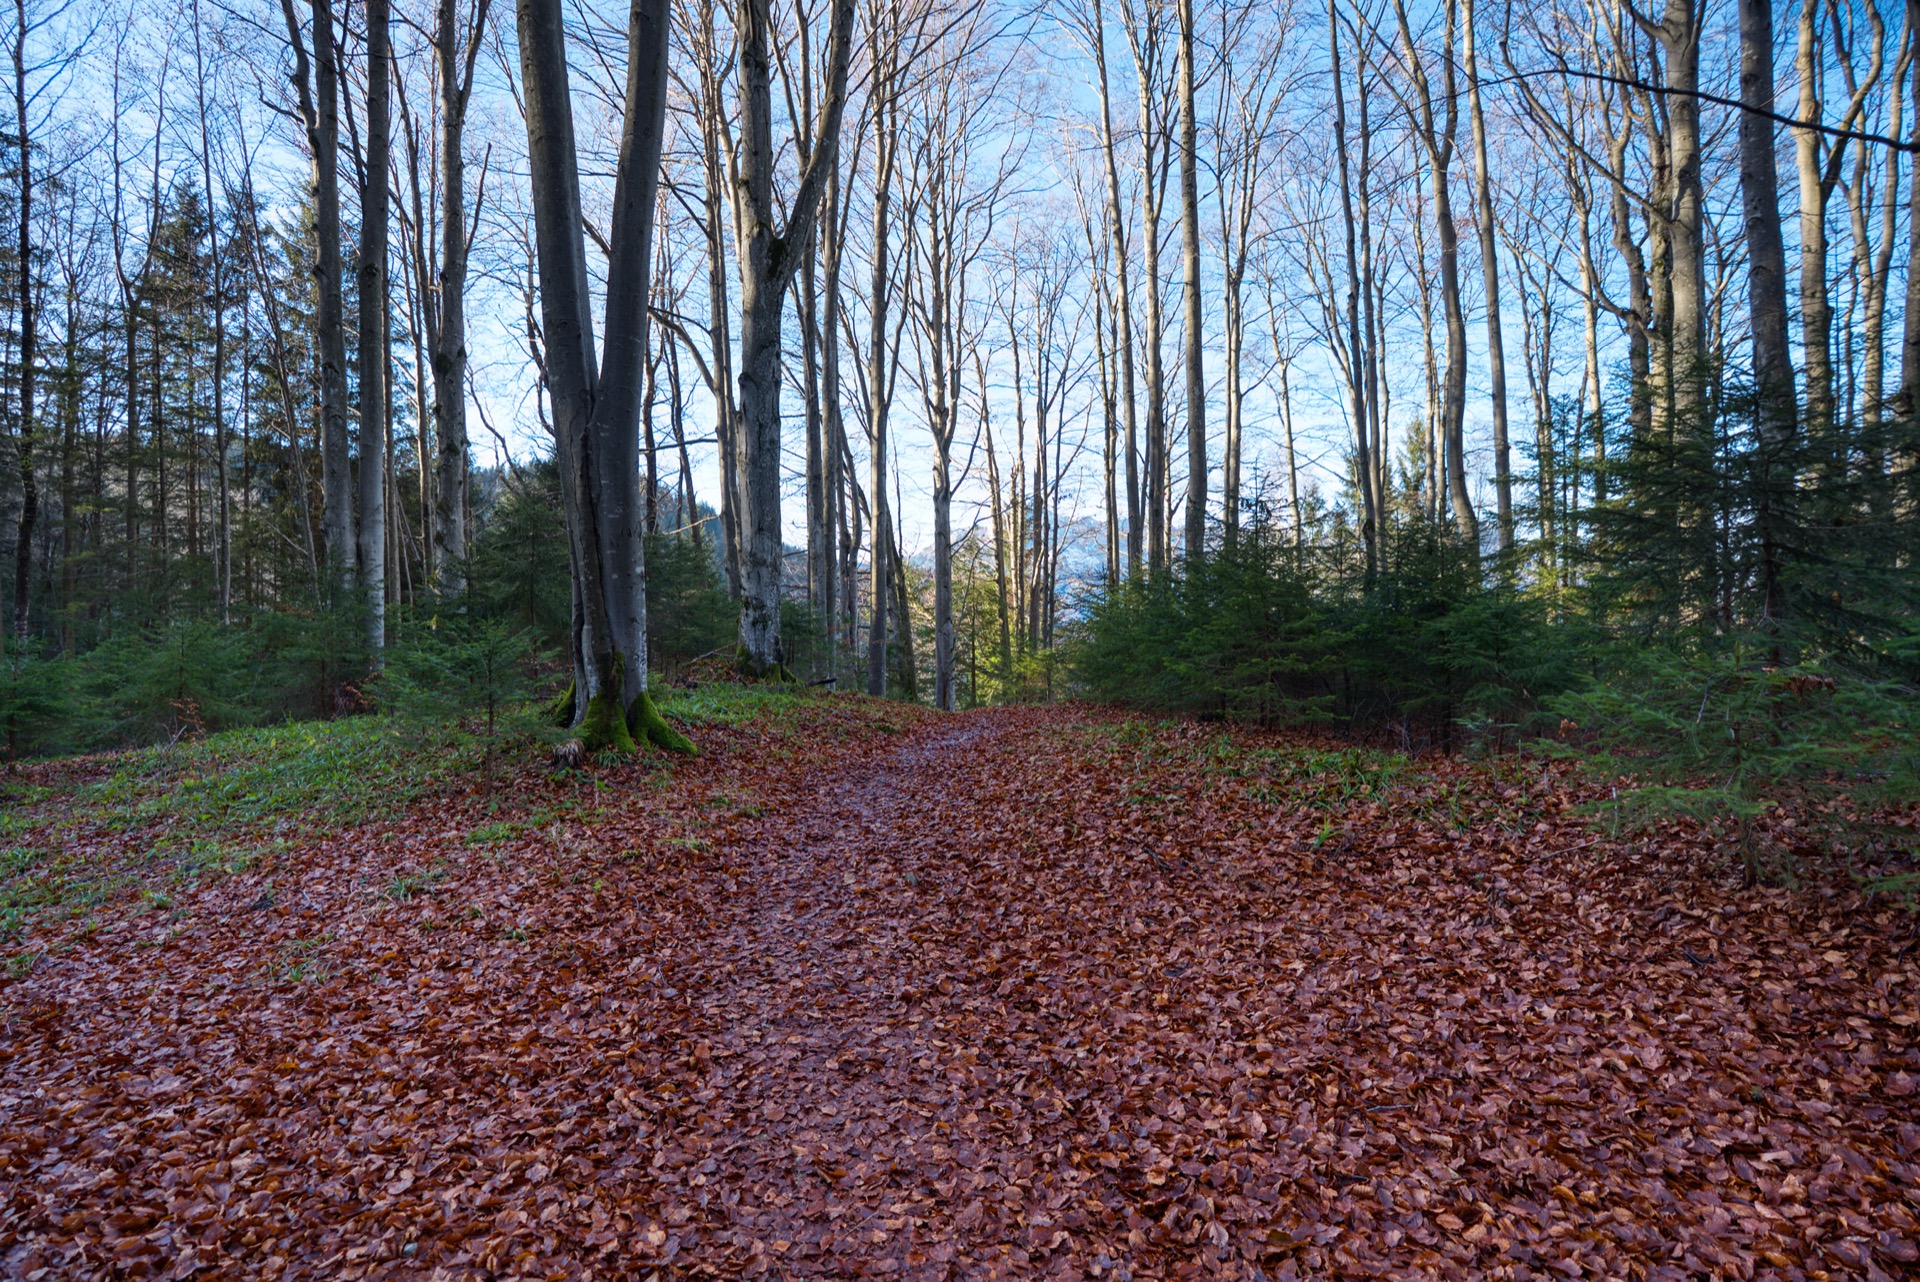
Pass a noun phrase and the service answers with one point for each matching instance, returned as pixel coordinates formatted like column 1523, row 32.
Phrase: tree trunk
column 1144, row 39
column 449, row 359
column 768, row 257
column 1357, row 358
column 1195, row 323
column 1816, row 306
column 1439, row 140
column 1122, row 303
column 27, row 355
column 1907, row 399
column 596, row 406
column 1490, row 273
column 374, row 320
column 1766, row 285
column 317, row 84
column 1679, row 36
column 223, row 540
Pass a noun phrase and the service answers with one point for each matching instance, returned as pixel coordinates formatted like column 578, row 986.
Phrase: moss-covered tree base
column 604, row 728
column 646, row 725
column 776, row 672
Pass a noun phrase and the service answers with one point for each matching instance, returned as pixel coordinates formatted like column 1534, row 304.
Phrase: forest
column 963, row 639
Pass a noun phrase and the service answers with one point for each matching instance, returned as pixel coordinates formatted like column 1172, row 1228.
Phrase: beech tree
column 770, row 253
column 596, row 401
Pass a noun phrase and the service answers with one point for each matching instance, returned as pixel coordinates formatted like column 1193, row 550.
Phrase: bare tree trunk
column 450, row 348
column 1679, row 37
column 1874, row 261
column 317, row 85
column 714, row 139
column 1144, row 37
column 596, row 406
column 841, row 581
column 1490, row 273
column 1439, row 140
column 1122, row 302
column 1590, row 316
column 374, row 321
column 768, row 258
column 27, row 355
column 1195, row 321
column 1357, row 358
column 879, row 361
column 1907, row 400
column 1816, row 308
column 1766, row 283
column 223, row 543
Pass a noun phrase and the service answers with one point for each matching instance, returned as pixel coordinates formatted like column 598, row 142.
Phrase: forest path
column 862, row 991
column 831, row 965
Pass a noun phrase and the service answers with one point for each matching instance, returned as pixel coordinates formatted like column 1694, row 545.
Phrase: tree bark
column 596, row 404
column 1190, row 270
column 1439, row 140
column 449, row 359
column 1766, row 285
column 1122, row 303
column 1490, row 273
column 317, row 84
column 27, row 354
column 768, row 257
column 374, row 320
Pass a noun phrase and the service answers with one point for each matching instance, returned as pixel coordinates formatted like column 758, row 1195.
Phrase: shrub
column 1726, row 738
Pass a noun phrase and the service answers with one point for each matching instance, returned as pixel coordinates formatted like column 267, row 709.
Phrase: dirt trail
column 1012, row 994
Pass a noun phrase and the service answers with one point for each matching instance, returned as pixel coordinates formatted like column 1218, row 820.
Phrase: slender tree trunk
column 27, row 354
column 768, row 257
column 1439, row 139
column 1195, row 320
column 1145, row 41
column 1679, row 36
column 1357, row 357
column 1001, row 535
column 1816, row 306
column 450, row 351
column 1766, row 286
column 375, row 319
column 1490, row 273
column 317, row 84
column 223, row 542
column 879, row 382
column 834, row 433
column 1907, row 400
column 1122, row 303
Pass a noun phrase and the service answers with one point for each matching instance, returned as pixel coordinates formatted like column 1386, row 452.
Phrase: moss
column 604, row 727
column 605, row 724
column 560, row 711
column 775, row 671
column 648, row 726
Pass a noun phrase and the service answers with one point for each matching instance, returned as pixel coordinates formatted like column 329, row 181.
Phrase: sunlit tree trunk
column 1195, row 326
column 1490, row 275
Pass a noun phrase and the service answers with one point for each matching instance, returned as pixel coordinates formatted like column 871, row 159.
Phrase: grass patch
column 727, row 704
column 405, row 887
column 327, row 774
column 199, row 811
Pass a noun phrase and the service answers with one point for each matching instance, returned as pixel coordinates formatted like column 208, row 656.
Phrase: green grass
column 209, row 809
column 733, row 705
column 327, row 774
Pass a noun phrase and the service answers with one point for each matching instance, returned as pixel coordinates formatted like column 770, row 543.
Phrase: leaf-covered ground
column 1023, row 993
